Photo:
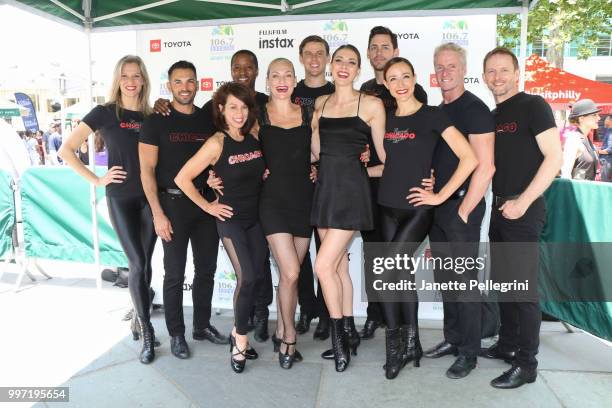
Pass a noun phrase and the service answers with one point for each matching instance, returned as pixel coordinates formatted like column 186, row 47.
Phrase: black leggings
column 133, row 222
column 410, row 227
column 247, row 248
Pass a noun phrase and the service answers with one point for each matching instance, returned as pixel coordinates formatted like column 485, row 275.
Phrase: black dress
column 286, row 197
column 342, row 192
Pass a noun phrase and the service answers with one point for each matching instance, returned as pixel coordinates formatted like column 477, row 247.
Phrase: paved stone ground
column 65, row 332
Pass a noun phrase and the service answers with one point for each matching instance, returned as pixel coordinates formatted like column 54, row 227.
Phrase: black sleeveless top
column 287, row 156
column 342, row 193
column 241, row 167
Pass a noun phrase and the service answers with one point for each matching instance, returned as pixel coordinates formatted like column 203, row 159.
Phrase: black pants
column 133, row 222
column 374, row 311
column 247, row 247
column 410, row 227
column 310, row 303
column 462, row 318
column 520, row 321
column 189, row 223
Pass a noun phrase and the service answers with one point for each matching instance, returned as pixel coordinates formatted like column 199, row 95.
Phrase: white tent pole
column 523, row 43
column 91, row 150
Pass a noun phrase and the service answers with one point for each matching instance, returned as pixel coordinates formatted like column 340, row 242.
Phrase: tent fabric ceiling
column 116, row 13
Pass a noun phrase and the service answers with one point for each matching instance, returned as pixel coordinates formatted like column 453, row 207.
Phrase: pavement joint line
column 318, row 399
column 177, row 387
column 543, row 378
column 113, row 365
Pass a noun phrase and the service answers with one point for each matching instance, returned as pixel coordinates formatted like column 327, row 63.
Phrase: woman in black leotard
column 286, row 196
column 412, row 132
column 341, row 203
column 118, row 122
column 236, row 157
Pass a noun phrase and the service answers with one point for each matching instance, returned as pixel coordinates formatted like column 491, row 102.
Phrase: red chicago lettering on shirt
column 129, row 125
column 399, row 135
column 510, row 127
column 187, row 137
column 244, row 157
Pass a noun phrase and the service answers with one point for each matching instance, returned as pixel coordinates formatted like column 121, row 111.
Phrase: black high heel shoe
column 147, row 354
column 351, row 333
column 276, row 342
column 237, row 365
column 340, row 346
column 285, row 359
column 413, row 349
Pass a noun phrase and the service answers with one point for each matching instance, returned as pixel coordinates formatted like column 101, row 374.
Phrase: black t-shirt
column 470, row 115
column 518, row 120
column 383, row 93
column 410, row 142
column 121, row 139
column 178, row 136
column 304, row 95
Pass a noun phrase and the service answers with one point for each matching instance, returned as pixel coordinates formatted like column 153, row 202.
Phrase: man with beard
column 166, row 143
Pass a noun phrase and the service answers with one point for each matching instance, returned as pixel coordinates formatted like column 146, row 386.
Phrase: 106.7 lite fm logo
column 275, row 38
column 222, row 44
column 456, row 31
column 335, row 32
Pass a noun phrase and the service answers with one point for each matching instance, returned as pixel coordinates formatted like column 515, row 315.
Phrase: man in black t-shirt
column 458, row 219
column 166, row 143
column 314, row 55
column 527, row 159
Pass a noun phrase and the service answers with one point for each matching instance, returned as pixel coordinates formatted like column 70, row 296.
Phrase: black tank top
column 287, row 156
column 241, row 167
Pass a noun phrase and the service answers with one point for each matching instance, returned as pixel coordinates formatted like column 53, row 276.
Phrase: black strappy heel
column 285, row 359
column 237, row 365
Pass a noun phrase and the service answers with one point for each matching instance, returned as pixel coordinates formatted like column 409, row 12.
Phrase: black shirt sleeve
column 420, row 94
column 541, row 117
column 440, row 120
column 479, row 119
column 96, row 118
column 149, row 134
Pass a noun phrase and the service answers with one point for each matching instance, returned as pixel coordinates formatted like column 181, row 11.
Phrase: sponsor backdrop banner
column 7, row 213
column 210, row 49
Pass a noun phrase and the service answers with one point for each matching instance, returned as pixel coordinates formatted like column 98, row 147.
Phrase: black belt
column 176, row 191
column 498, row 201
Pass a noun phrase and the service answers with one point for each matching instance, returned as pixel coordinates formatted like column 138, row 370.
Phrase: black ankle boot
column 340, row 346
column 413, row 348
column 135, row 326
column 147, row 355
column 351, row 333
column 395, row 353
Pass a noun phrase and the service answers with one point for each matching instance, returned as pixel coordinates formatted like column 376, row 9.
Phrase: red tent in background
column 561, row 89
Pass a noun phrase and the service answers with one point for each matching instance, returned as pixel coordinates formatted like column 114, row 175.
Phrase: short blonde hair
column 450, row 46
column 115, row 92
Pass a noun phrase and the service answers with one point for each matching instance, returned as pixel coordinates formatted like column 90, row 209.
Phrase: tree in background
column 559, row 22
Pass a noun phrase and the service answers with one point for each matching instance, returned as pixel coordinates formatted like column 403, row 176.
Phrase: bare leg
column 333, row 249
